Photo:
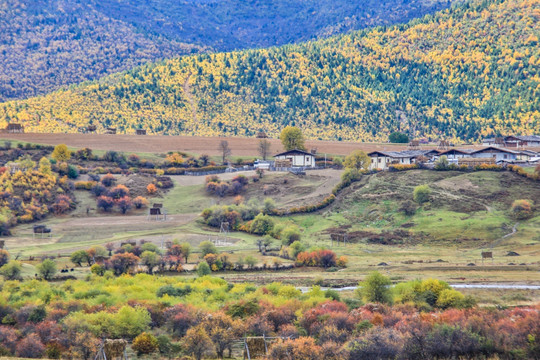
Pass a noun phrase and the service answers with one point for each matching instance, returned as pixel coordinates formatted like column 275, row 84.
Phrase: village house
column 527, row 155
column 514, row 141
column 454, row 154
column 295, row 158
column 383, row 159
column 498, row 154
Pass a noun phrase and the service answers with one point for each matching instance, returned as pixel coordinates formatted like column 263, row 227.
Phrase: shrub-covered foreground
column 203, row 317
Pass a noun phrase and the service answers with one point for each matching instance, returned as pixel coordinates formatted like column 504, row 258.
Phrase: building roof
column 495, row 149
column 461, row 151
column 529, row 152
column 527, row 137
column 403, row 154
column 294, row 152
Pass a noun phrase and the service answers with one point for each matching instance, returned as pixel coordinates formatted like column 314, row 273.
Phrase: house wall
column 299, row 160
column 380, row 162
column 455, row 156
column 498, row 155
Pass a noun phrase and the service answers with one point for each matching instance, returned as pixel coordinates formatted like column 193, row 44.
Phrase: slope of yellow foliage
column 464, row 73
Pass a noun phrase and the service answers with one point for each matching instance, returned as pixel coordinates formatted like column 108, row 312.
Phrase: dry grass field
column 190, row 144
column 241, row 147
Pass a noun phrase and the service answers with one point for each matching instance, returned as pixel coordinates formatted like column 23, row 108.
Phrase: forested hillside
column 49, row 43
column 462, row 73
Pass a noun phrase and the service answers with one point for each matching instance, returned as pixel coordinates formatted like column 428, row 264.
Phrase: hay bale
column 256, row 347
column 114, row 348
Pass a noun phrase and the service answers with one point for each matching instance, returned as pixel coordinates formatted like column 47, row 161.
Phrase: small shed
column 111, row 131
column 140, row 131
column 297, row 158
column 91, row 128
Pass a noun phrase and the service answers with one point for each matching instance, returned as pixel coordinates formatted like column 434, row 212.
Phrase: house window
column 379, row 160
column 505, row 156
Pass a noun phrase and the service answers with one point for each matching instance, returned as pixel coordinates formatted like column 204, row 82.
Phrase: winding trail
column 498, row 242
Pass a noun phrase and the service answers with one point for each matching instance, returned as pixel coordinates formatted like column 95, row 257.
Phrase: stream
column 455, row 286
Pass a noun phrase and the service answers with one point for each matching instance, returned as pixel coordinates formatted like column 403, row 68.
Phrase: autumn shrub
column 403, row 167
column 290, row 234
column 47, row 269
column 140, row 202
column 421, row 194
column 72, row 172
column 108, row 180
column 322, row 258
column 261, row 225
column 12, row 270
column 197, row 342
column 522, row 209
column 145, row 344
column 384, row 344
column 216, row 215
column 122, row 263
column 30, row 347
column 105, row 203
column 98, row 190
column 376, row 288
column 203, row 269
column 303, row 348
column 98, row 269
column 62, row 204
column 4, row 257
column 119, row 191
column 124, row 204
column 151, row 189
column 61, row 153
column 84, row 185
column 408, row 208
column 450, row 298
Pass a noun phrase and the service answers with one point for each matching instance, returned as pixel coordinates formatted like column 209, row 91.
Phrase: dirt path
column 187, row 180
column 111, row 221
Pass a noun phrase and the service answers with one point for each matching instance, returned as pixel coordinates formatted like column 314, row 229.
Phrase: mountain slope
column 463, row 73
column 49, row 43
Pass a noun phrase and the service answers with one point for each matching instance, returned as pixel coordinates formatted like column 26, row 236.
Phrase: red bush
column 30, row 347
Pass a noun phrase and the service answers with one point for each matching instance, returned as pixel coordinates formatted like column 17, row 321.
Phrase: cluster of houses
column 513, row 141
column 383, row 159
column 471, row 157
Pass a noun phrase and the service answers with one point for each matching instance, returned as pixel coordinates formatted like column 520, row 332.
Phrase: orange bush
column 151, row 189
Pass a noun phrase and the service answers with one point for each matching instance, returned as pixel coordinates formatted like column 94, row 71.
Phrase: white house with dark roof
column 383, row 159
column 499, row 154
column 295, row 158
column 454, row 154
column 527, row 155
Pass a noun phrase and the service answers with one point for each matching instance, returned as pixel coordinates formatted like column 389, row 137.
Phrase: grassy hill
column 46, row 44
column 462, row 73
column 467, row 209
